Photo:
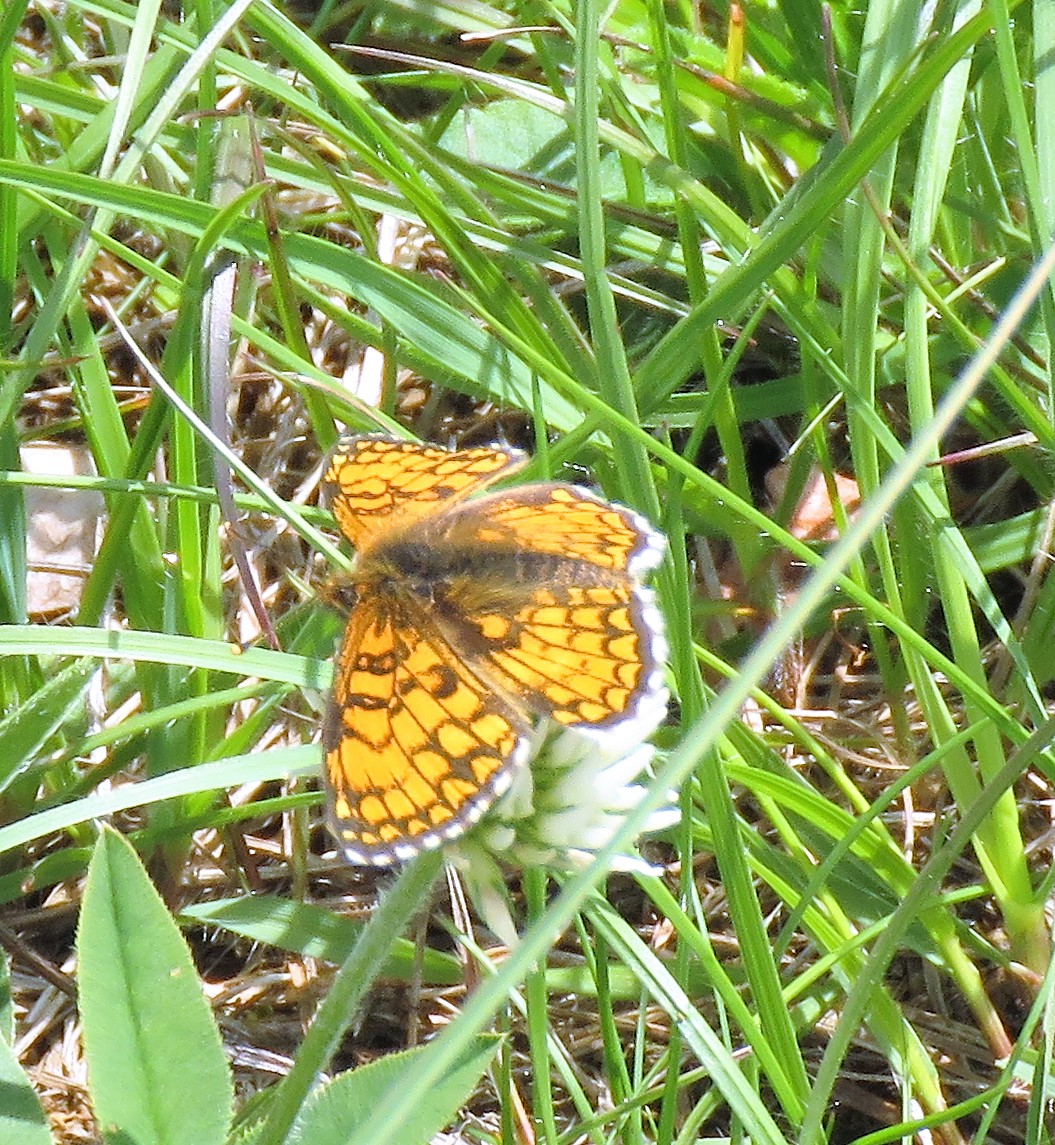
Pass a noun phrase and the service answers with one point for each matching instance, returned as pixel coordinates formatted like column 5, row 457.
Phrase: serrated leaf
column 156, row 1067
column 337, row 1108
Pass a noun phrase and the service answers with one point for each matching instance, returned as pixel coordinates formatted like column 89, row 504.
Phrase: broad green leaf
column 339, row 1106
column 520, row 136
column 156, row 1068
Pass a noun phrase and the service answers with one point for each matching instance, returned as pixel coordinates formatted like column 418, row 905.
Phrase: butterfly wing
column 554, row 611
column 589, row 657
column 376, row 483
column 417, row 746
column 589, row 534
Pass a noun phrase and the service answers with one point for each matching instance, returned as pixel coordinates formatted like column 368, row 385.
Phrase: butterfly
column 470, row 620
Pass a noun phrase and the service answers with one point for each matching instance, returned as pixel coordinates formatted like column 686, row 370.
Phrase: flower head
column 562, row 808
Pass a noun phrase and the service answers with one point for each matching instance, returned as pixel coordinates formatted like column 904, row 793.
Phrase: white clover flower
column 562, row 808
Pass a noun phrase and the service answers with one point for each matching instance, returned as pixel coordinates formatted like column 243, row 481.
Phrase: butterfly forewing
column 378, row 482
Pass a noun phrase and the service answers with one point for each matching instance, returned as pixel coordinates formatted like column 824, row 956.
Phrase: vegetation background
column 707, row 257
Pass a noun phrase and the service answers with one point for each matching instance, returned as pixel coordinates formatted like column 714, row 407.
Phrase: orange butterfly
column 471, row 619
